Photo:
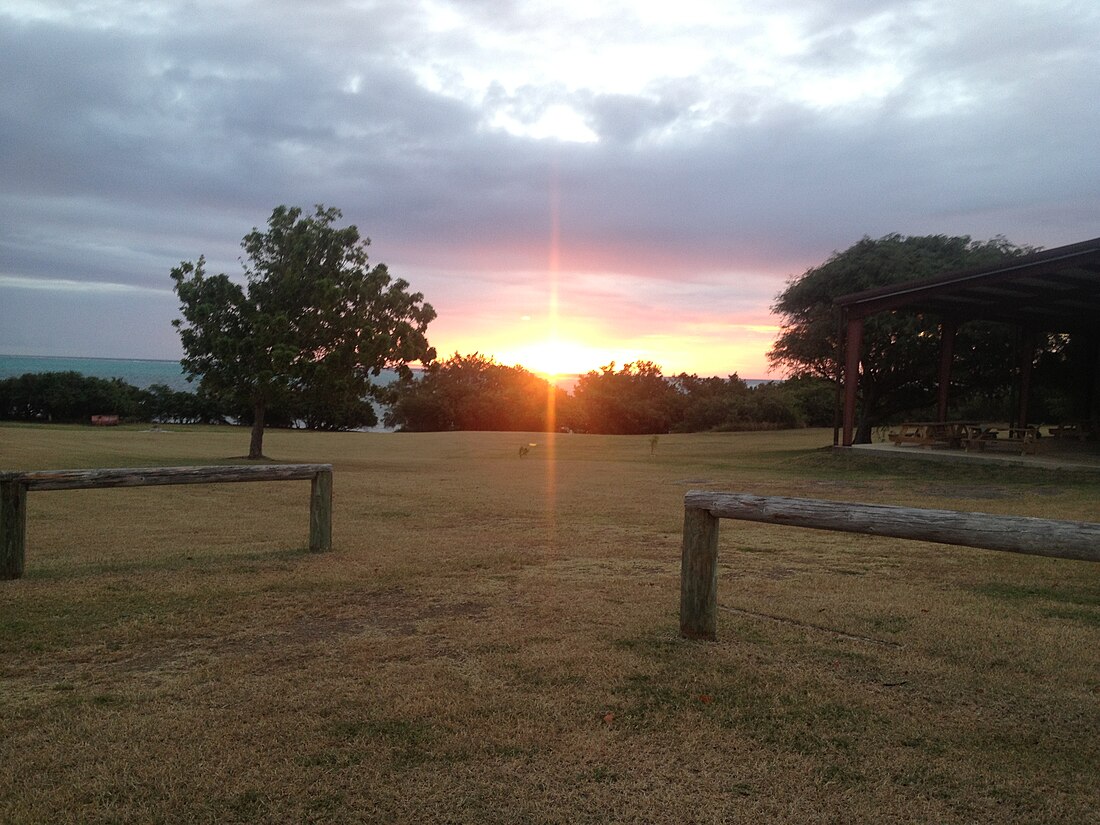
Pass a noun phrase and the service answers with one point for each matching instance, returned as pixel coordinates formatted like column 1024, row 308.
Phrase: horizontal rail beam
column 1015, row 534
column 149, row 476
column 1079, row 540
column 14, row 487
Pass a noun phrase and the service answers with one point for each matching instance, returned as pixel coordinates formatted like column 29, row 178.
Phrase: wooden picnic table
column 1016, row 439
column 934, row 433
column 1080, row 430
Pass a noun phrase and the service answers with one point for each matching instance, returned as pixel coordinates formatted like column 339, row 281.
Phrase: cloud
column 662, row 155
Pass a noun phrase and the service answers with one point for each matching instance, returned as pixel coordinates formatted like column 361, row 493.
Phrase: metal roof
column 1056, row 290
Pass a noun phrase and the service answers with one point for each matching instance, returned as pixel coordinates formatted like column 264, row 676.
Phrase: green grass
column 1047, row 602
column 494, row 639
column 1029, row 593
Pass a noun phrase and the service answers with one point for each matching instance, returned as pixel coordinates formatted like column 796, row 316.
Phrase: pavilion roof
column 1055, row 290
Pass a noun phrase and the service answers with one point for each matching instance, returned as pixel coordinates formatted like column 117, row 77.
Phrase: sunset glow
column 576, row 348
column 554, row 358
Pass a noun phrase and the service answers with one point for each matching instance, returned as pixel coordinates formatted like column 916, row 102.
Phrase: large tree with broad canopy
column 900, row 349
column 309, row 329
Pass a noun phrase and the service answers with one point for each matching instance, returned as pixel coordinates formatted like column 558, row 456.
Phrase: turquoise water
column 136, row 371
column 141, row 373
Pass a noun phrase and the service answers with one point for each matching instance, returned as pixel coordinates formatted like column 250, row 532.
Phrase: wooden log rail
column 703, row 510
column 14, row 487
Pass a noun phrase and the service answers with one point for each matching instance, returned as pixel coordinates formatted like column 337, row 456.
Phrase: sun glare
column 555, row 358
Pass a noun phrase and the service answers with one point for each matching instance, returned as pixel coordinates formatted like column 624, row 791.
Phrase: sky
column 567, row 183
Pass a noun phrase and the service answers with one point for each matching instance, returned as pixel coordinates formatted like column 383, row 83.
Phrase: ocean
column 139, row 372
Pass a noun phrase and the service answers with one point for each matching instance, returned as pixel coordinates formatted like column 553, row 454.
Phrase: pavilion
column 1048, row 292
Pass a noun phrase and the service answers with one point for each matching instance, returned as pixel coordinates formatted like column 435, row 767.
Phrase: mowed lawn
column 494, row 638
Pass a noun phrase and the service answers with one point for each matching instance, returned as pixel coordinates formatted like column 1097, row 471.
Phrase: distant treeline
column 460, row 393
column 70, row 397
column 476, row 393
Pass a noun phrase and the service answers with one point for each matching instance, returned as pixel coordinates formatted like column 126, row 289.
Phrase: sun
column 554, row 357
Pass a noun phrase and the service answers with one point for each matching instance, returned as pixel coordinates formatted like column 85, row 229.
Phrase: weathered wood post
column 13, row 528
column 1078, row 540
column 15, row 486
column 320, row 511
column 699, row 575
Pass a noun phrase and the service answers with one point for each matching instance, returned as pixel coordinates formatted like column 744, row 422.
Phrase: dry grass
column 494, row 639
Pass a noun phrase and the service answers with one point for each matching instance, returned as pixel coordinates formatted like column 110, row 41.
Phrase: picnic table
column 1016, row 439
column 933, row 433
column 1080, row 430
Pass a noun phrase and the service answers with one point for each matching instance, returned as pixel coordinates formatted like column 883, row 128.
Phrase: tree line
column 472, row 392
column 464, row 392
column 72, row 398
column 69, row 397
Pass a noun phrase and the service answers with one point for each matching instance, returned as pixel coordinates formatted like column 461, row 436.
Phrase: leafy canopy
column 900, row 349
column 635, row 399
column 472, row 392
column 309, row 328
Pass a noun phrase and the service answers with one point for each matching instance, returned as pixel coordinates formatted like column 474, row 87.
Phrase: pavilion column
column 947, row 356
column 1092, row 399
column 838, row 382
column 1027, row 357
column 853, row 346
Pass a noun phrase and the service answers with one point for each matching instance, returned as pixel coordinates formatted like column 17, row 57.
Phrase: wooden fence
column 703, row 510
column 15, row 486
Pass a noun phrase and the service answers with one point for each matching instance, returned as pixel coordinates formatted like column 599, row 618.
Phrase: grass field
column 495, row 639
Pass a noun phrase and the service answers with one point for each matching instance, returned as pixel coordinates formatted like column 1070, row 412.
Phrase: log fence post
column 320, row 512
column 13, row 528
column 1077, row 540
column 14, row 487
column 699, row 575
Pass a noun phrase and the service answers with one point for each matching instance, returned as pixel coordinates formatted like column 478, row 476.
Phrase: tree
column 161, row 404
column 66, row 397
column 900, row 349
column 635, row 400
column 308, row 330
column 708, row 403
column 472, row 392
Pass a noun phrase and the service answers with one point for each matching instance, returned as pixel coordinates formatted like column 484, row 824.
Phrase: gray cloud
column 133, row 142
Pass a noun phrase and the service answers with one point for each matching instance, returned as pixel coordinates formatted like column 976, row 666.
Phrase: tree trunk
column 256, row 447
column 864, row 423
column 863, row 432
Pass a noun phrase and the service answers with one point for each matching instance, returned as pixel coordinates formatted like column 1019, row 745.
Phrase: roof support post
column 1091, row 407
column 853, row 347
column 1027, row 357
column 838, row 376
column 947, row 356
